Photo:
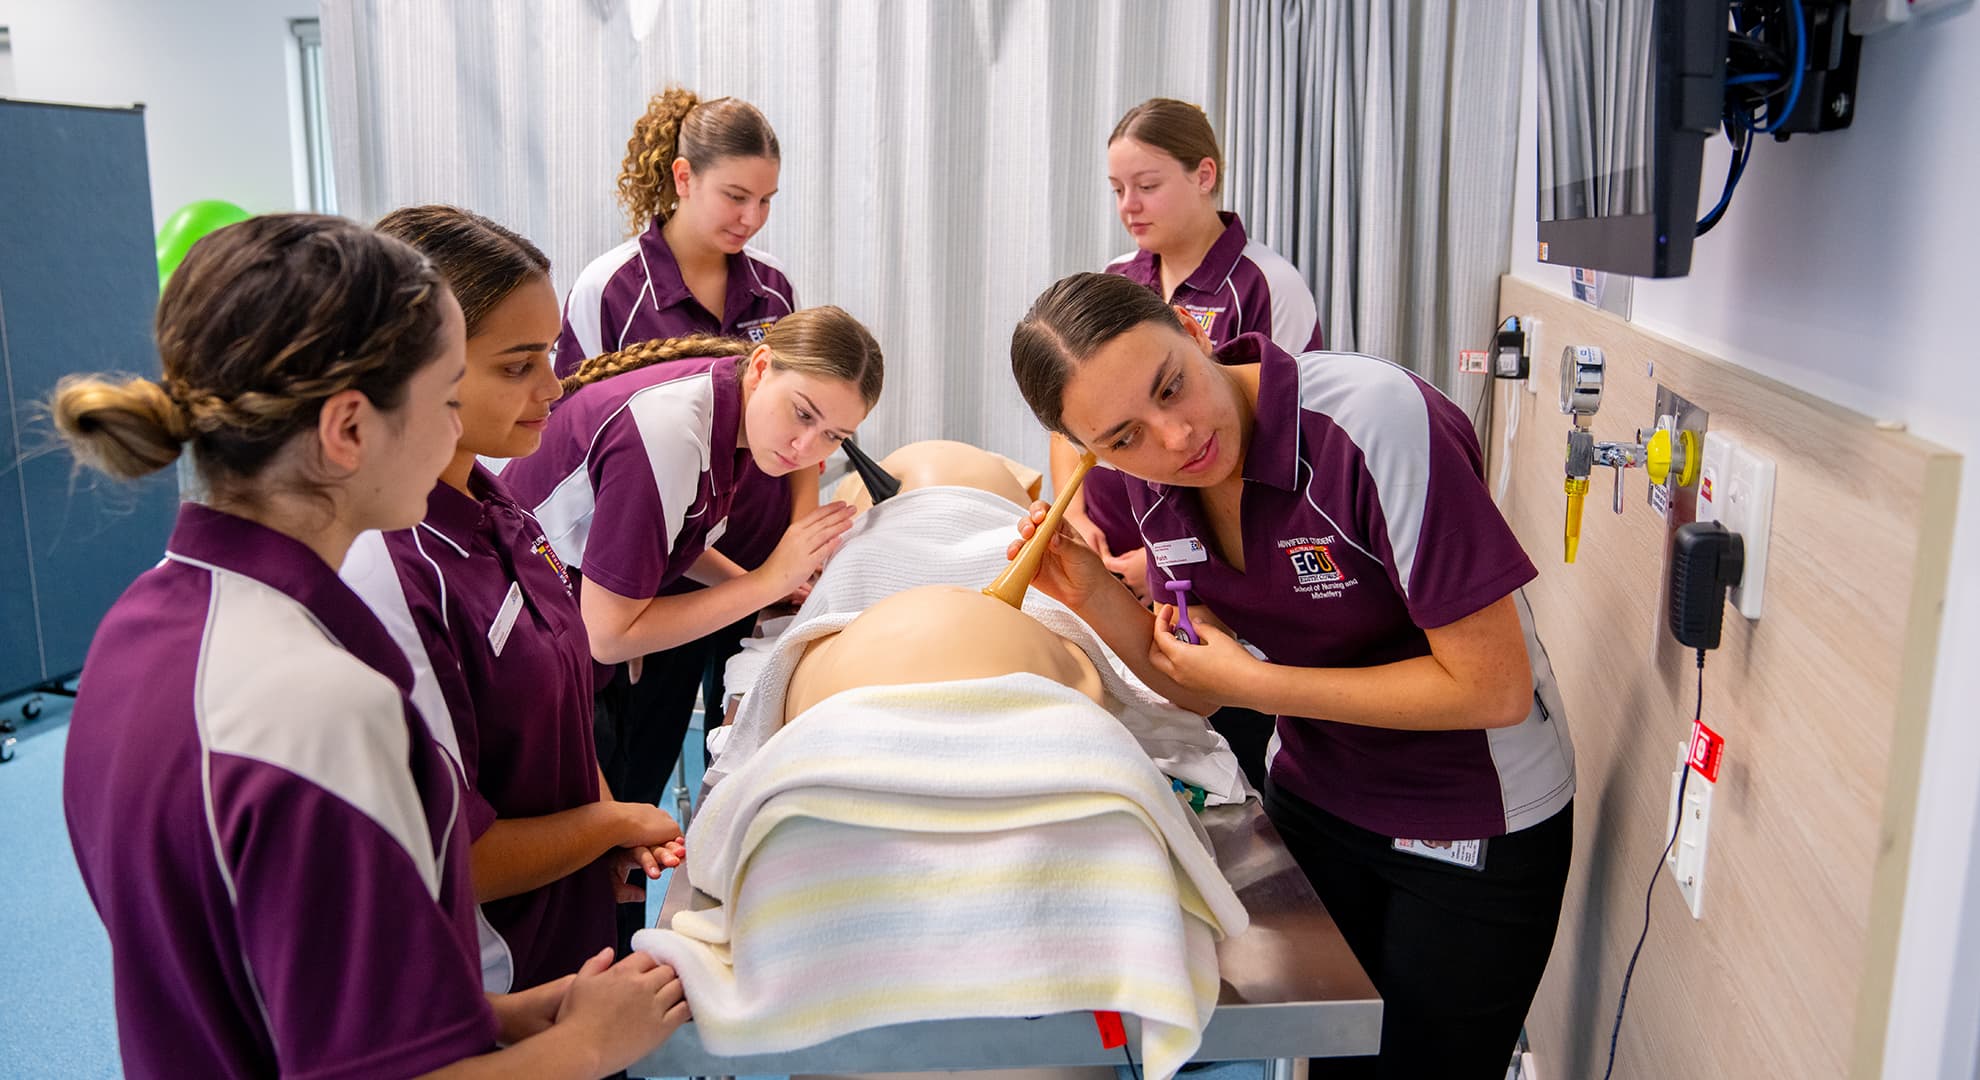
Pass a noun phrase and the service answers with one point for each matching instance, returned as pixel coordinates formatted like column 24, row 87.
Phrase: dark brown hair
column 262, row 322
column 1066, row 325
column 678, row 124
column 1176, row 128
column 822, row 341
column 482, row 261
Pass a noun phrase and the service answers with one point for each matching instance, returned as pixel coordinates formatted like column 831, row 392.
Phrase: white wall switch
column 1533, row 353
column 1736, row 488
column 1686, row 859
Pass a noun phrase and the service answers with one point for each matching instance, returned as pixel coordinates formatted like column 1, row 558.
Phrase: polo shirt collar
column 1222, row 258
column 215, row 539
column 1273, row 457
column 669, row 288
column 458, row 517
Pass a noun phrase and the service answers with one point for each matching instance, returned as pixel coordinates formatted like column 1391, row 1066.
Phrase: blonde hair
column 678, row 124
column 262, row 322
column 826, row 342
column 1176, row 128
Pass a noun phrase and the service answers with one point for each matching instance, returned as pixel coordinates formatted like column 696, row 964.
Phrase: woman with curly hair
column 696, row 185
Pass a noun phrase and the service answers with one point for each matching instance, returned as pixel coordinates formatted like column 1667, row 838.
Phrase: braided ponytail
column 646, row 353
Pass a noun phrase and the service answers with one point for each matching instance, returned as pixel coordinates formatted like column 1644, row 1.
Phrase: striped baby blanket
column 988, row 847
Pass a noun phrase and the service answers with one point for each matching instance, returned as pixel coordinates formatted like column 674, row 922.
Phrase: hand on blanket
column 623, row 1010
column 1217, row 669
column 1070, row 572
column 805, row 547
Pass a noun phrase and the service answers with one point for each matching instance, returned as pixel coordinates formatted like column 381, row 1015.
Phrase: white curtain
column 943, row 162
column 1371, row 142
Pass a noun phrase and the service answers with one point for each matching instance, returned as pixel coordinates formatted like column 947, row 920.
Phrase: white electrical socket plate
column 1736, row 488
column 1687, row 858
column 1533, row 353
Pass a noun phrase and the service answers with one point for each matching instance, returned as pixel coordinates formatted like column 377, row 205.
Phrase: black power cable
column 1622, row 1000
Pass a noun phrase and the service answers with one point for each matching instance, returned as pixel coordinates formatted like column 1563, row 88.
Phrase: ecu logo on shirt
column 755, row 330
column 1312, row 564
column 1205, row 317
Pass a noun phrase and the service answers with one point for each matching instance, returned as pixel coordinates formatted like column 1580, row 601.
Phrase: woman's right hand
column 624, row 1009
column 1070, row 572
column 806, row 545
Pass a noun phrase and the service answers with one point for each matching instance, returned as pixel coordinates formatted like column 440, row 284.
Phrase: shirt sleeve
column 403, row 585
column 637, row 515
column 1295, row 319
column 358, row 969
column 582, row 336
column 1448, row 550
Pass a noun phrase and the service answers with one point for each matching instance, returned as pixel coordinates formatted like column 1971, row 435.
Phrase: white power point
column 1533, row 353
column 1687, row 857
column 1736, row 488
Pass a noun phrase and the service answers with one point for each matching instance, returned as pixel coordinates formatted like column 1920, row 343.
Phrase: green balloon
column 184, row 228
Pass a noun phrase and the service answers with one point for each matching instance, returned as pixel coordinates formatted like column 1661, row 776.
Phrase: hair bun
column 128, row 429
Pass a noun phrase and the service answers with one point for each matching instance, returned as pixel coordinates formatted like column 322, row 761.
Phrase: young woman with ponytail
column 502, row 667
column 639, row 472
column 696, row 186
column 264, row 822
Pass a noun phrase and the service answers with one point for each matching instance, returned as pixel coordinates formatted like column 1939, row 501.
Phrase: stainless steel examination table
column 1291, row 989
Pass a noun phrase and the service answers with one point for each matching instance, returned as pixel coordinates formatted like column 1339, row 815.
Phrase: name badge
column 1180, row 552
column 1469, row 854
column 505, row 619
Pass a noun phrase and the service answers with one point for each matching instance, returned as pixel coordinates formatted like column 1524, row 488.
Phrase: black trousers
column 640, row 726
column 1248, row 733
column 1456, row 953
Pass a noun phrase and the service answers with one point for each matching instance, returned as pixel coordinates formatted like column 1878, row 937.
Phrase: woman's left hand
column 648, row 860
column 1217, row 669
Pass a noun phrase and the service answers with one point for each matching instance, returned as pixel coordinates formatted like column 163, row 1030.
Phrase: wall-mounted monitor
column 1629, row 90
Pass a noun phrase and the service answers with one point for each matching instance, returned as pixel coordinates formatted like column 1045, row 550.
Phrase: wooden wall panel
column 1822, row 702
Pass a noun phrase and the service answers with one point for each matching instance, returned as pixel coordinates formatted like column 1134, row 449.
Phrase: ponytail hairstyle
column 1066, row 325
column 262, row 322
column 824, row 342
column 678, row 124
column 1176, row 128
column 482, row 261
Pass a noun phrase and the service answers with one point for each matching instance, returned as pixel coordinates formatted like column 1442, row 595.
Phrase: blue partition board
column 78, row 287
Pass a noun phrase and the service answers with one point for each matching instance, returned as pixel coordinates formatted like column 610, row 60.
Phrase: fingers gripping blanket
column 991, row 847
column 957, row 536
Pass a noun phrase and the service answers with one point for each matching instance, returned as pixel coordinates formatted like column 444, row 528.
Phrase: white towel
column 957, row 536
column 986, row 847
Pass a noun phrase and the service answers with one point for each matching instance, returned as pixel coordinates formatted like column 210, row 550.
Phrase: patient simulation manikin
column 942, row 462
column 936, row 633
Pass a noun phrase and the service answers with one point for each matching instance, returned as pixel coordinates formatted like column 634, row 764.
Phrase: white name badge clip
column 1469, row 854
column 505, row 619
column 1180, row 552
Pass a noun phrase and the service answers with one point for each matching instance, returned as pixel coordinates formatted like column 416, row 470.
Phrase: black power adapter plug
column 1706, row 560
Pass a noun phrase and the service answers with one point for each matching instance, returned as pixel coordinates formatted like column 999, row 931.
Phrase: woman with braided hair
column 265, row 823
column 696, row 186
column 639, row 472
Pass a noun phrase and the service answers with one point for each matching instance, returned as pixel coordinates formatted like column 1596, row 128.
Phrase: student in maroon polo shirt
column 1330, row 508
column 696, row 186
column 1167, row 172
column 488, row 618
column 262, row 818
column 637, row 477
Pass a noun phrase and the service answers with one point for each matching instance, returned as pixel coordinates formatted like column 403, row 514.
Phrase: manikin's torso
column 938, row 633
